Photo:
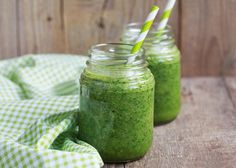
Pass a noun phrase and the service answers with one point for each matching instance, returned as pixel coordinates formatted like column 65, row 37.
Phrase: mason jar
column 116, row 103
column 163, row 58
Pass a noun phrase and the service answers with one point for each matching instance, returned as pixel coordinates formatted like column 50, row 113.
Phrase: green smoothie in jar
column 164, row 62
column 116, row 103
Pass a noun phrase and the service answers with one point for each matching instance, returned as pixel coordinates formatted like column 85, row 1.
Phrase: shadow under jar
column 164, row 62
column 116, row 103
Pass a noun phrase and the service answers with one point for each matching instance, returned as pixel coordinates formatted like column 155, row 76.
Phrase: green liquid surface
column 116, row 117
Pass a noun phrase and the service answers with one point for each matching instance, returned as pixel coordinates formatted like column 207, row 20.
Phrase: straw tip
column 155, row 7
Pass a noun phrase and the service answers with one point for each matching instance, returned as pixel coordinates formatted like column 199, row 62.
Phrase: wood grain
column 231, row 88
column 8, row 29
column 81, row 24
column 41, row 27
column 207, row 40
column 204, row 29
column 101, row 21
column 204, row 135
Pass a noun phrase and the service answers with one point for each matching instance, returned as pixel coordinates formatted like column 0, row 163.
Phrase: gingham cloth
column 38, row 110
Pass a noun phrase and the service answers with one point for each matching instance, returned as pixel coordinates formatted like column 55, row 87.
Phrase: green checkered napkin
column 38, row 109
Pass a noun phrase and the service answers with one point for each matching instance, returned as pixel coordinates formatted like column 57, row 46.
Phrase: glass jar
column 164, row 62
column 116, row 103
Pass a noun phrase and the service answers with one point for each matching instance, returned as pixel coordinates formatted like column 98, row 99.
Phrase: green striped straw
column 166, row 15
column 144, row 31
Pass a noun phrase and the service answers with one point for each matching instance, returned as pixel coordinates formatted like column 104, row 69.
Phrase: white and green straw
column 166, row 15
column 145, row 29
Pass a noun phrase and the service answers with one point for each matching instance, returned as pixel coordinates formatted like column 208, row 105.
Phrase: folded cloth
column 39, row 101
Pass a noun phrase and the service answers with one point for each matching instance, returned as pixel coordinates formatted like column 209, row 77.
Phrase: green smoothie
column 166, row 71
column 164, row 62
column 117, row 118
column 116, row 106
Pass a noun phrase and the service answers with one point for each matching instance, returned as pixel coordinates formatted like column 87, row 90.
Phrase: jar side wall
column 164, row 55
column 118, row 121
column 116, row 111
column 167, row 75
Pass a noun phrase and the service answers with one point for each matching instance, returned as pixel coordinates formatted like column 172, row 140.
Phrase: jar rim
column 104, row 49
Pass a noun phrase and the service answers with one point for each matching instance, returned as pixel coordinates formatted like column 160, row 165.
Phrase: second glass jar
column 164, row 62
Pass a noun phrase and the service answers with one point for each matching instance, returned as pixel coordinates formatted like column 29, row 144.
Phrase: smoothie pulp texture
column 164, row 62
column 116, row 106
column 166, row 71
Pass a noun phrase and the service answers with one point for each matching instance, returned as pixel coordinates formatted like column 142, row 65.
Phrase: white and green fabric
column 39, row 102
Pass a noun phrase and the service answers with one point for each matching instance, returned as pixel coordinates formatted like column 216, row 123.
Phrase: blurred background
column 205, row 30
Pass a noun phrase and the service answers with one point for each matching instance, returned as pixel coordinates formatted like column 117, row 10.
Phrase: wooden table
column 204, row 134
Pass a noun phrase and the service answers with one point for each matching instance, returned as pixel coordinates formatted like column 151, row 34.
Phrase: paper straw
column 145, row 29
column 166, row 15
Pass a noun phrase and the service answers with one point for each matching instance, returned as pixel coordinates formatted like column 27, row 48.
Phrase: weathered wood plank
column 81, row 24
column 204, row 28
column 41, row 27
column 206, row 35
column 204, row 135
column 231, row 86
column 101, row 21
column 8, row 29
